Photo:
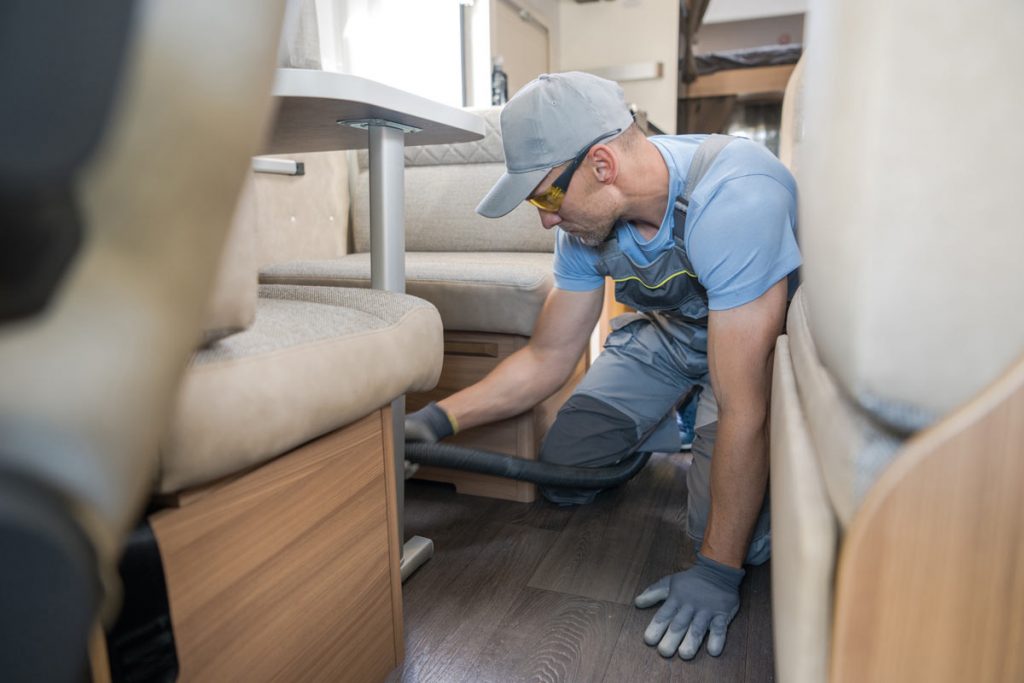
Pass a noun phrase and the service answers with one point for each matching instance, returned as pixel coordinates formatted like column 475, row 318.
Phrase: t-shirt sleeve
column 575, row 266
column 743, row 240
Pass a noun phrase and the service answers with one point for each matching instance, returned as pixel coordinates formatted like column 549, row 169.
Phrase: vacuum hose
column 545, row 473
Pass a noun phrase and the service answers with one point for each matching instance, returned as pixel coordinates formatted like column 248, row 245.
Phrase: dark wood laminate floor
column 535, row 592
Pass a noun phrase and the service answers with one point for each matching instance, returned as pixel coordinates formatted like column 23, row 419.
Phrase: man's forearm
column 739, row 478
column 520, row 382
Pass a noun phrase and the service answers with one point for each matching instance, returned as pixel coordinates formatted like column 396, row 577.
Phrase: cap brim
column 510, row 191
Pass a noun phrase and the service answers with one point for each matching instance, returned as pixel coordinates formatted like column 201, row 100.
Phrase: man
column 698, row 233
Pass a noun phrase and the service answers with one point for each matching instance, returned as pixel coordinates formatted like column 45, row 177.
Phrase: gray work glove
column 429, row 424
column 705, row 595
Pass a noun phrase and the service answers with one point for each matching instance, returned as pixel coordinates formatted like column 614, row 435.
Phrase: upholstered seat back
column 443, row 185
column 910, row 201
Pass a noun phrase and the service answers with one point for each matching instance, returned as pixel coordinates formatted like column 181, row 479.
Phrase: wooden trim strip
column 394, row 542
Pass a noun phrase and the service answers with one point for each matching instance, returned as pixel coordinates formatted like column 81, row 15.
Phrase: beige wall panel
column 608, row 34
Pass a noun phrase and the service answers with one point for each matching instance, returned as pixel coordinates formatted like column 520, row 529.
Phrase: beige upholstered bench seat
column 499, row 292
column 314, row 360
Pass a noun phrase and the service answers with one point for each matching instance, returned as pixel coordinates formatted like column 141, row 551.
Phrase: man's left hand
column 705, row 596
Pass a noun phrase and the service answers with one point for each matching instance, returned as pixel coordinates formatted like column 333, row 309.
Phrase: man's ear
column 604, row 164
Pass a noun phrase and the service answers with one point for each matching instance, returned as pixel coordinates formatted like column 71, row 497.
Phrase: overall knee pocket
column 589, row 432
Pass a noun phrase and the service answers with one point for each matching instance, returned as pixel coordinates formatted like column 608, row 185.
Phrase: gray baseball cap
column 547, row 123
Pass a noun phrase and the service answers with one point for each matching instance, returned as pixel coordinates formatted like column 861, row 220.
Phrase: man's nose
column 549, row 219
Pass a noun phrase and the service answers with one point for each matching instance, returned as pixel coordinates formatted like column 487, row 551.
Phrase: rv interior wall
column 525, row 34
column 591, row 37
column 523, row 42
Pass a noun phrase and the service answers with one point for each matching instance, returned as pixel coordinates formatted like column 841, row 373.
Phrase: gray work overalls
column 652, row 359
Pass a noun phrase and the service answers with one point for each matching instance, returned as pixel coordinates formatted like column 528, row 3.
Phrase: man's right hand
column 429, row 424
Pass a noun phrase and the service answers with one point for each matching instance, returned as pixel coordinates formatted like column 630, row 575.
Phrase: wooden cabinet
column 709, row 102
column 291, row 571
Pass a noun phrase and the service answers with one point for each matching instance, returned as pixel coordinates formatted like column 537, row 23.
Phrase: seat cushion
column 314, row 360
column 474, row 292
column 852, row 447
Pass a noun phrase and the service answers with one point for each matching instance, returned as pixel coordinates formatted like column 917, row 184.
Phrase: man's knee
column 586, row 433
column 589, row 432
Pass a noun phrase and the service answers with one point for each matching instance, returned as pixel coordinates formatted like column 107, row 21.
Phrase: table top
column 312, row 102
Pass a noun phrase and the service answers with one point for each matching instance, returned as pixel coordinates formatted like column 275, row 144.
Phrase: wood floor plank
column 434, row 509
column 760, row 655
column 672, row 548
column 567, row 638
column 456, row 601
column 540, row 514
column 475, row 612
column 603, row 549
column 438, row 497
column 672, row 551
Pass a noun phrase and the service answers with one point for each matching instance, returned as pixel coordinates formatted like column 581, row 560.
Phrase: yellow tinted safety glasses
column 551, row 199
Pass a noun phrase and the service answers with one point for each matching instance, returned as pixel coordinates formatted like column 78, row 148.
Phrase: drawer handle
column 278, row 166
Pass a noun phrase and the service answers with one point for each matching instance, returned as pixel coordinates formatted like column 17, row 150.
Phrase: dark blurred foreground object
column 110, row 235
column 140, row 646
column 62, row 60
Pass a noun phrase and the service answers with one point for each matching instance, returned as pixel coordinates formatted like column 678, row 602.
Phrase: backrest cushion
column 304, row 217
column 443, row 185
column 911, row 204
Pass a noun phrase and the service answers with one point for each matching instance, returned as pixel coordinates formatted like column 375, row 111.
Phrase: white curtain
column 414, row 45
column 300, row 42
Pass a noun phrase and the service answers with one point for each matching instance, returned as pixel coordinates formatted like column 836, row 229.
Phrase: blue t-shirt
column 740, row 232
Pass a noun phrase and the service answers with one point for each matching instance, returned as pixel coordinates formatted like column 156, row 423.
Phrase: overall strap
column 705, row 155
column 702, row 160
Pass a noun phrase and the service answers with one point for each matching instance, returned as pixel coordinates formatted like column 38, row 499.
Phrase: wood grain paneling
column 759, row 80
column 930, row 581
column 289, row 572
column 394, row 542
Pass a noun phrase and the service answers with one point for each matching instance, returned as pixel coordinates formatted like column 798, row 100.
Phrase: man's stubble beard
column 591, row 236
